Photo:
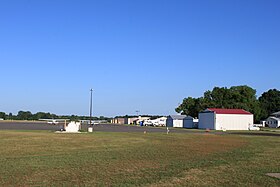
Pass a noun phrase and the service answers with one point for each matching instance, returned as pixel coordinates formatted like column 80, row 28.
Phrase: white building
column 140, row 120
column 159, row 121
column 129, row 120
column 190, row 122
column 225, row 119
column 273, row 122
column 162, row 121
column 73, row 127
column 175, row 120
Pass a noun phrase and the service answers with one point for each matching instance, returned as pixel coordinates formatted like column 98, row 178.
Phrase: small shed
column 175, row 121
column 118, row 120
column 190, row 122
column 225, row 119
column 130, row 120
column 273, row 122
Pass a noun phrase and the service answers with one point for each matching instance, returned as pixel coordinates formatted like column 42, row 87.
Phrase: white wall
column 177, row 123
column 206, row 120
column 234, row 121
column 160, row 121
column 73, row 127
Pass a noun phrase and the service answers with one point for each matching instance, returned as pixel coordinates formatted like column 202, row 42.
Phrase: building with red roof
column 225, row 119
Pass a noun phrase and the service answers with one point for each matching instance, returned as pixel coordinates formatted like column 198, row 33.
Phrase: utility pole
column 90, row 110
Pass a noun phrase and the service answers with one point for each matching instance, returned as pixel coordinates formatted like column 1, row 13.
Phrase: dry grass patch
column 119, row 159
column 245, row 166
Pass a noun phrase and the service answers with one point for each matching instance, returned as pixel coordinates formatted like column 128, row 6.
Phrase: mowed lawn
column 136, row 159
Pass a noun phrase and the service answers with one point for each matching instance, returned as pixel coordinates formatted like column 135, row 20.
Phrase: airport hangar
column 182, row 121
column 225, row 119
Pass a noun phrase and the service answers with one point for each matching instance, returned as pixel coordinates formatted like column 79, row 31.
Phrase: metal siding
column 233, row 121
column 169, row 122
column 206, row 120
column 188, row 123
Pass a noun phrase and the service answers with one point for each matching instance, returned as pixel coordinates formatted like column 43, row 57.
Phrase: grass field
column 40, row 158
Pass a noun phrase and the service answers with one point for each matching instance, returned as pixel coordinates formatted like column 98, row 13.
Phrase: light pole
column 90, row 109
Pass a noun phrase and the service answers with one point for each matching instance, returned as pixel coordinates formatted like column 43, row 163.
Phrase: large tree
column 270, row 102
column 25, row 115
column 190, row 106
column 243, row 97
column 43, row 115
column 3, row 115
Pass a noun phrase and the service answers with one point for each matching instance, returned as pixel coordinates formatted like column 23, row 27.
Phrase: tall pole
column 90, row 110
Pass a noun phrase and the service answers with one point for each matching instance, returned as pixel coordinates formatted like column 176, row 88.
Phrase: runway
column 25, row 125
column 37, row 125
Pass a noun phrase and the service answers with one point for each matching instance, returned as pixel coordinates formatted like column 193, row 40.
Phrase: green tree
column 3, row 115
column 243, row 97
column 10, row 116
column 42, row 115
column 74, row 118
column 24, row 115
column 190, row 106
column 269, row 102
column 218, row 98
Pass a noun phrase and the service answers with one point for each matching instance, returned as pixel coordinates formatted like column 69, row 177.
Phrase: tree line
column 235, row 97
column 27, row 115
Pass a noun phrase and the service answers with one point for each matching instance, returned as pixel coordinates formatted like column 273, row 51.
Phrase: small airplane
column 92, row 122
column 54, row 121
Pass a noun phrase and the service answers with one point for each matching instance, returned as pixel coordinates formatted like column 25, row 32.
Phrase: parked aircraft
column 54, row 121
column 156, row 122
column 93, row 122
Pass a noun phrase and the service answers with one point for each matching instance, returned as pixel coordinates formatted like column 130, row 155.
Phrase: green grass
column 270, row 129
column 135, row 159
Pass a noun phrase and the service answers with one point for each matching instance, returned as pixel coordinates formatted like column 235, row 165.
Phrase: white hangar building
column 225, row 119
column 182, row 121
column 175, row 120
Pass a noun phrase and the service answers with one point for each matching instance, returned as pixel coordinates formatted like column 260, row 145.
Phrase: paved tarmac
column 133, row 128
column 26, row 125
column 13, row 125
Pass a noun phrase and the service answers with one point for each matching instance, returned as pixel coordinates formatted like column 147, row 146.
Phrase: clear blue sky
column 142, row 55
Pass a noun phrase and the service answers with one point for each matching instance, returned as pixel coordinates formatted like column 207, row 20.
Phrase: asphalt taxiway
column 37, row 125
column 25, row 125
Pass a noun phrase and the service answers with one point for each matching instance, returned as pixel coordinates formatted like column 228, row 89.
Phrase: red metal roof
column 228, row 111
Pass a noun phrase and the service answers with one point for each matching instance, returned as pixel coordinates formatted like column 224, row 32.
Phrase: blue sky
column 142, row 55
